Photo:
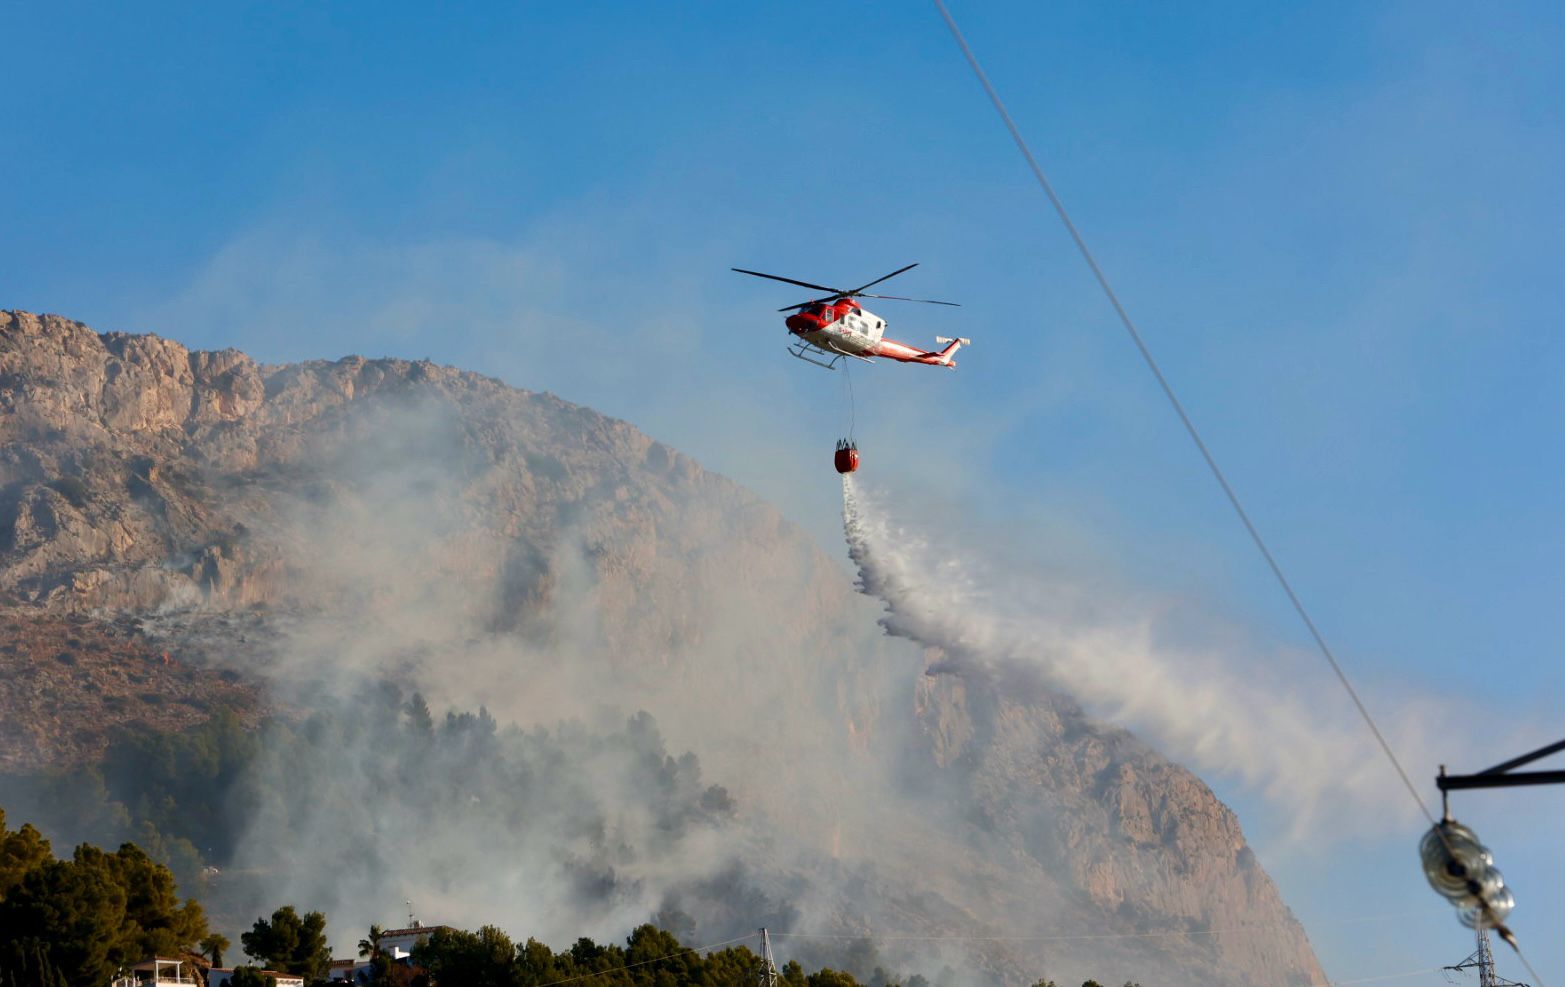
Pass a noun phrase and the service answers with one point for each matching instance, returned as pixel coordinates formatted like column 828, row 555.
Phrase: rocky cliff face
column 305, row 526
column 1129, row 838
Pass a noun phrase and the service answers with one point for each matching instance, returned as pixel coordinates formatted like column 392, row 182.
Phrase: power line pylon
column 767, row 976
column 1482, row 960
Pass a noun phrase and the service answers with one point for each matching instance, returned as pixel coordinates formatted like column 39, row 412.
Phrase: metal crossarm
column 1501, row 775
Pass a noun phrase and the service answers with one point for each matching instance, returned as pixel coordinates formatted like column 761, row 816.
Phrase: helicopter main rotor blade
column 812, row 301
column 835, row 293
column 860, row 289
column 926, row 301
column 802, row 284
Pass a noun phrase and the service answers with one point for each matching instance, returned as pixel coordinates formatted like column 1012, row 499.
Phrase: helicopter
column 835, row 327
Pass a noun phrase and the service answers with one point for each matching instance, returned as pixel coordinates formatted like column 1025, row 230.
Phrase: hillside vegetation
column 78, row 922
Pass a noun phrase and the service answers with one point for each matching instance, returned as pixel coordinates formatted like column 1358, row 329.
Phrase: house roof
column 416, row 930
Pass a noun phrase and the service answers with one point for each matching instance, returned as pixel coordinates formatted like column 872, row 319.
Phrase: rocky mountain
column 181, row 530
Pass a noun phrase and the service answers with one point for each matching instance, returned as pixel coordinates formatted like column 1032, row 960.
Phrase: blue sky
column 1340, row 226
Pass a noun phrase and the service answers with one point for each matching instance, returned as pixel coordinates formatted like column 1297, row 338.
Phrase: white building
column 397, row 944
column 159, row 971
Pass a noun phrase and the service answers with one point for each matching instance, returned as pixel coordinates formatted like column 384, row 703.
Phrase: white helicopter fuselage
column 844, row 329
column 857, row 332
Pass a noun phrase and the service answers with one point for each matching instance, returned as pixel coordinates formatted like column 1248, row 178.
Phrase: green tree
column 157, row 924
column 21, row 853
column 370, row 945
column 249, row 976
column 380, row 964
column 735, row 965
column 535, row 964
column 74, row 912
column 212, row 947
column 289, row 943
column 656, row 954
column 455, row 958
column 80, row 920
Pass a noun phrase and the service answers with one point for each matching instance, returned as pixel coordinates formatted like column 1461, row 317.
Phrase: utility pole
column 767, row 975
column 1482, row 960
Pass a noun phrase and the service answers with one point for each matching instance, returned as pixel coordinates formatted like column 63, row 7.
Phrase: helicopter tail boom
column 903, row 353
column 952, row 345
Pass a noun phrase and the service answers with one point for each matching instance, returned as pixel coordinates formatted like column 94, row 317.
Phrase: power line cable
column 1179, row 409
column 1537, row 980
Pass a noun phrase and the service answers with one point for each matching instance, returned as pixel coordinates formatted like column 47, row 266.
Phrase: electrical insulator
column 1462, row 871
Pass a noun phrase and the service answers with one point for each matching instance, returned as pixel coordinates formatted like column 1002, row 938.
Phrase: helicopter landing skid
column 804, row 351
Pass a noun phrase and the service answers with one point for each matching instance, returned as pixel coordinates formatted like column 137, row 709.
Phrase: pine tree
column 212, row 947
column 290, row 943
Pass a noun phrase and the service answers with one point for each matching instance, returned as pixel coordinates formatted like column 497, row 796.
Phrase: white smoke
column 404, row 571
column 1294, row 741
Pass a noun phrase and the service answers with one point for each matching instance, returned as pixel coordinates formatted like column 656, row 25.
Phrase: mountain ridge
column 307, row 523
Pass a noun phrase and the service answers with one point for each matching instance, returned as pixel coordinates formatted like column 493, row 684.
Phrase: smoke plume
column 1285, row 735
